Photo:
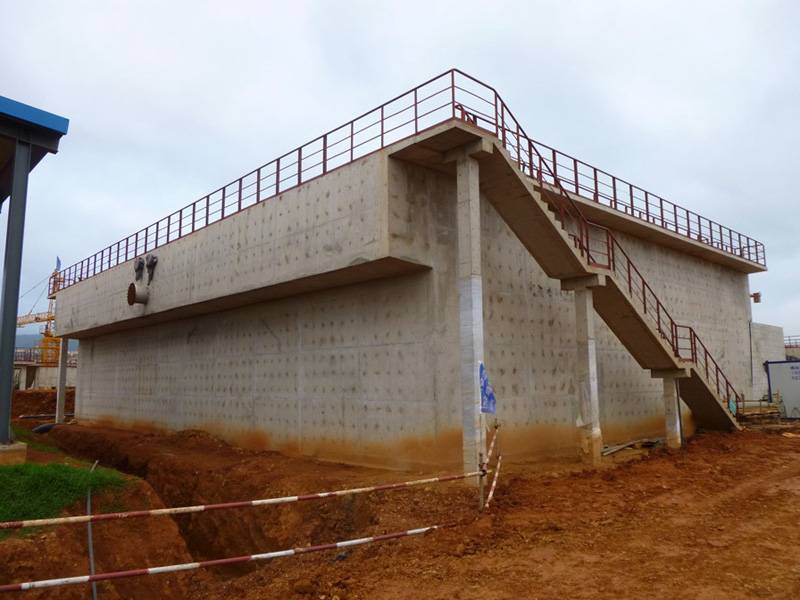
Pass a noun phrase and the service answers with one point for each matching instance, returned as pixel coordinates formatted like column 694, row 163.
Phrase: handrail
column 690, row 342
column 791, row 341
column 531, row 161
column 424, row 106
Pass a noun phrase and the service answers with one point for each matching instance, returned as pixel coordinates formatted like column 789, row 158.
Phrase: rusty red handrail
column 531, row 161
column 791, row 341
column 424, row 106
column 691, row 347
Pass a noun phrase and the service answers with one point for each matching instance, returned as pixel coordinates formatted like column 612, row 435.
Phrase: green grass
column 35, row 491
column 26, row 435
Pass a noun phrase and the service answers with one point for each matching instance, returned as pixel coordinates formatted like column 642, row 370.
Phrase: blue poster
column 488, row 400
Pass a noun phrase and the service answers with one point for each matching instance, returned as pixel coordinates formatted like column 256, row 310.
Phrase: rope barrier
column 179, row 510
column 48, row 583
column 494, row 481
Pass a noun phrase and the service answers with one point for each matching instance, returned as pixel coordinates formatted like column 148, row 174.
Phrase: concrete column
column 470, row 300
column 672, row 412
column 590, row 436
column 61, row 389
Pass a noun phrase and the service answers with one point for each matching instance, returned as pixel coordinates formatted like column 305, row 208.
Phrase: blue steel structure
column 27, row 134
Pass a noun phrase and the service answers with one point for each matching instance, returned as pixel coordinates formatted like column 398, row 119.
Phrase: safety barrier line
column 179, row 510
column 494, row 481
column 47, row 583
column 491, row 447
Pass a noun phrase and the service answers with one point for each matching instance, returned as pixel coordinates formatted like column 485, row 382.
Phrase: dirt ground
column 716, row 520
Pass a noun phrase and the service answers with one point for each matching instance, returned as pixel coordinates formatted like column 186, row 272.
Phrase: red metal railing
column 613, row 192
column 791, row 341
column 691, row 347
column 451, row 94
column 599, row 246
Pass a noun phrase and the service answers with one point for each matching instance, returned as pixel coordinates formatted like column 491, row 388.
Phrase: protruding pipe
column 138, row 293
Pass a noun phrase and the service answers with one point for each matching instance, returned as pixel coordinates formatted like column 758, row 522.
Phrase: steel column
column 11, row 272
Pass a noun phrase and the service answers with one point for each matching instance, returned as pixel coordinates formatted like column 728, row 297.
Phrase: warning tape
column 47, row 583
column 180, row 510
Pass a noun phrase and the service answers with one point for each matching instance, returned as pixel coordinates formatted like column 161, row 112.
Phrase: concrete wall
column 369, row 372
column 29, row 377
column 766, row 344
column 328, row 224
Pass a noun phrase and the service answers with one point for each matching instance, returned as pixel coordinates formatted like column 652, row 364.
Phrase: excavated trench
column 192, row 467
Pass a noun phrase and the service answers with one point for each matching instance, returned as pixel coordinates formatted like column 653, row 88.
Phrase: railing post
column 194, row 214
column 416, row 112
column 352, row 141
column 575, row 169
column 614, row 192
column 224, row 196
column 239, row 200
column 208, row 208
column 324, row 155
column 169, row 226
column 497, row 119
column 382, row 125
column 300, row 163
column 453, row 92
column 596, row 186
column 630, row 286
column 278, row 176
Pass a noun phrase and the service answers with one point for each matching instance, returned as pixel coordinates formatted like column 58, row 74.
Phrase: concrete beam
column 588, row 423
column 477, row 149
column 580, row 283
column 684, row 373
column 470, row 300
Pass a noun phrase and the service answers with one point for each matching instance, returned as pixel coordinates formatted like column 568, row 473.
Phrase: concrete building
column 337, row 301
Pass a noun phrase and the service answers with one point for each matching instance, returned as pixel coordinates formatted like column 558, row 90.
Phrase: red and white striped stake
column 494, row 481
column 47, row 583
column 180, row 510
column 491, row 447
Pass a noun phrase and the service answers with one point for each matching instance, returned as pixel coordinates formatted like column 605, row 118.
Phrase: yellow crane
column 49, row 345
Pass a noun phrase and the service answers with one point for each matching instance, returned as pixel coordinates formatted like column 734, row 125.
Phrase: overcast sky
column 696, row 101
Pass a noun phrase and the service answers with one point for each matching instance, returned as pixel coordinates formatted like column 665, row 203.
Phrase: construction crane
column 49, row 346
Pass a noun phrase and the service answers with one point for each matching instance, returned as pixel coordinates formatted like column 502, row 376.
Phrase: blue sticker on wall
column 488, row 400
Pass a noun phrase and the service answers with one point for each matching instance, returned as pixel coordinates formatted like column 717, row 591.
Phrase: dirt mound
column 63, row 551
column 39, row 401
column 716, row 520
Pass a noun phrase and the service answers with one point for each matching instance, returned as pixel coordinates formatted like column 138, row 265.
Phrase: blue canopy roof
column 33, row 116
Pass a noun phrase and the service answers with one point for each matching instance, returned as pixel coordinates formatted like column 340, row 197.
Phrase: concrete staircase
column 569, row 247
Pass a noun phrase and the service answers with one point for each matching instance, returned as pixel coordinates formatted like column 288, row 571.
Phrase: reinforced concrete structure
column 337, row 301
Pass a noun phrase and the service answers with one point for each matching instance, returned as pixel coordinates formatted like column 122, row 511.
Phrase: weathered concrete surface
column 766, row 343
column 369, row 372
column 325, row 226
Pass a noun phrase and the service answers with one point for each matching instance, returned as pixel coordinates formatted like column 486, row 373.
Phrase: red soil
column 717, row 520
column 39, row 402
